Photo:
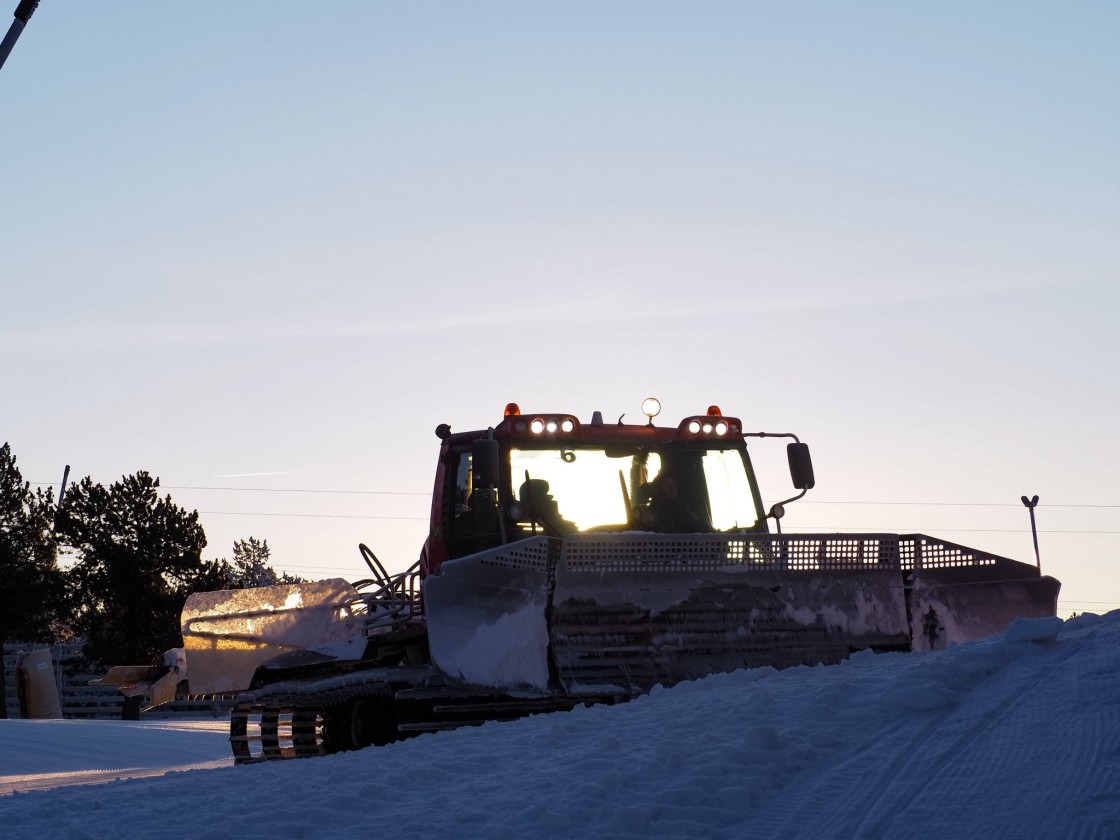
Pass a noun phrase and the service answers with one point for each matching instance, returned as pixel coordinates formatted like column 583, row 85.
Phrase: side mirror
column 485, row 463
column 800, row 466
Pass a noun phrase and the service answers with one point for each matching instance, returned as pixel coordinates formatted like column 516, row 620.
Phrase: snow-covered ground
column 1014, row 737
column 44, row 754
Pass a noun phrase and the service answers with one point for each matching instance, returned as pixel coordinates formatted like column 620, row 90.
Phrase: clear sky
column 271, row 245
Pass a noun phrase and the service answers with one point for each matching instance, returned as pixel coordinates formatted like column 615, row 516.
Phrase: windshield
column 671, row 488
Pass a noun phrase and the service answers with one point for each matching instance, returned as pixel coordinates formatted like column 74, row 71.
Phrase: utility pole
column 23, row 14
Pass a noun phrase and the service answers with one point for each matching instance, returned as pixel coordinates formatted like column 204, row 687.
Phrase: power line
column 798, row 529
column 297, row 490
column 1091, row 603
column 948, row 504
column 274, row 490
column 420, row 493
column 893, row 530
column 309, row 515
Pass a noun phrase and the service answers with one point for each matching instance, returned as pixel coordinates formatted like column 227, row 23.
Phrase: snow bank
column 1017, row 736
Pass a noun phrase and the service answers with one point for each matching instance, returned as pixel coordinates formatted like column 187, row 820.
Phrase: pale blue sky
column 292, row 238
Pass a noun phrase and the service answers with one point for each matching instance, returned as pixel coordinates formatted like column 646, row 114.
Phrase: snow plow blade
column 157, row 683
column 620, row 613
column 228, row 633
column 488, row 616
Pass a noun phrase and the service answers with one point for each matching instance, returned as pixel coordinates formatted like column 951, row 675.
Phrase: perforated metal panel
column 712, row 552
column 922, row 552
column 623, row 553
column 786, row 552
column 526, row 555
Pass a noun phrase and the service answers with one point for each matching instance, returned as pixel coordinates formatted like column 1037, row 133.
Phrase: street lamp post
column 1031, row 503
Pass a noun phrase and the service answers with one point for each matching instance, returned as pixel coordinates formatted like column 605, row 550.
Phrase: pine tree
column 251, row 568
column 137, row 558
column 31, row 585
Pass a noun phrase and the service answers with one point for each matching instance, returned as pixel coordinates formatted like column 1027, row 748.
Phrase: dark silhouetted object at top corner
column 22, row 14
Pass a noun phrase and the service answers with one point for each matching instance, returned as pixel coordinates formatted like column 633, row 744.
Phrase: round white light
column 694, row 426
column 707, row 428
column 551, row 426
column 651, row 407
column 721, row 428
column 537, row 426
column 567, row 426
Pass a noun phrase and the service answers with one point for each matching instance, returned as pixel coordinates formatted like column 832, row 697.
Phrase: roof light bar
column 542, row 424
column 710, row 425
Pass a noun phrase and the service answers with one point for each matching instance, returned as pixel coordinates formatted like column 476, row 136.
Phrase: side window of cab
column 472, row 515
column 462, row 520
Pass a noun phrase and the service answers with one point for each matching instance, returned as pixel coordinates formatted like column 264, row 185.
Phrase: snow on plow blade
column 620, row 613
column 487, row 616
column 228, row 633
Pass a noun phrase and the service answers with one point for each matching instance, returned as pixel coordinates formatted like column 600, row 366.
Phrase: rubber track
column 291, row 713
column 302, row 707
